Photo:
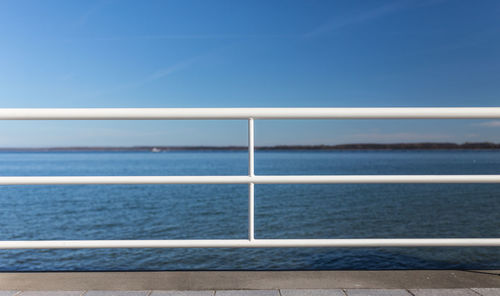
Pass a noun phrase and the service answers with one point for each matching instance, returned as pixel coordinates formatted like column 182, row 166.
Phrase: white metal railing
column 251, row 179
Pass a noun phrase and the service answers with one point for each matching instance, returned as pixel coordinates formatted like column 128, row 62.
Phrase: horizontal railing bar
column 318, row 179
column 245, row 113
column 256, row 243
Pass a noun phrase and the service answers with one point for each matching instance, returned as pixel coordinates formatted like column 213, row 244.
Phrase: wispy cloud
column 159, row 73
column 338, row 23
column 66, row 76
column 492, row 123
column 156, row 75
column 85, row 16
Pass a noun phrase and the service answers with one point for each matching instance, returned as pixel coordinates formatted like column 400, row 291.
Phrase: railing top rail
column 245, row 113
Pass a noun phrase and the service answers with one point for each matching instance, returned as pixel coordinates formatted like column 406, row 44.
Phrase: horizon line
column 347, row 146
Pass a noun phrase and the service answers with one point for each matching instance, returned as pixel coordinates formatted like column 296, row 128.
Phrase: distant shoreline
column 361, row 146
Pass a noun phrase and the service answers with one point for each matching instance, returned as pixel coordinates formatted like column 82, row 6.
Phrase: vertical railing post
column 251, row 174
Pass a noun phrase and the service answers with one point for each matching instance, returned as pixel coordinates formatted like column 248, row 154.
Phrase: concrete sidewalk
column 253, row 283
column 281, row 292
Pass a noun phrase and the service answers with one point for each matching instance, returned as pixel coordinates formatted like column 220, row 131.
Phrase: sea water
column 93, row 212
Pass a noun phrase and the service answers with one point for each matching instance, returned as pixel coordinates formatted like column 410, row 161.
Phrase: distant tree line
column 362, row 146
column 392, row 146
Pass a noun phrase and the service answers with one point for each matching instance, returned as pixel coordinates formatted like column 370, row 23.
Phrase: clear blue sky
column 269, row 53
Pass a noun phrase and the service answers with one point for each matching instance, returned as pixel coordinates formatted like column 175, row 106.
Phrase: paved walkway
column 253, row 283
column 252, row 280
column 282, row 292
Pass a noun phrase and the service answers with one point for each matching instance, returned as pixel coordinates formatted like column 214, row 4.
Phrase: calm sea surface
column 220, row 211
